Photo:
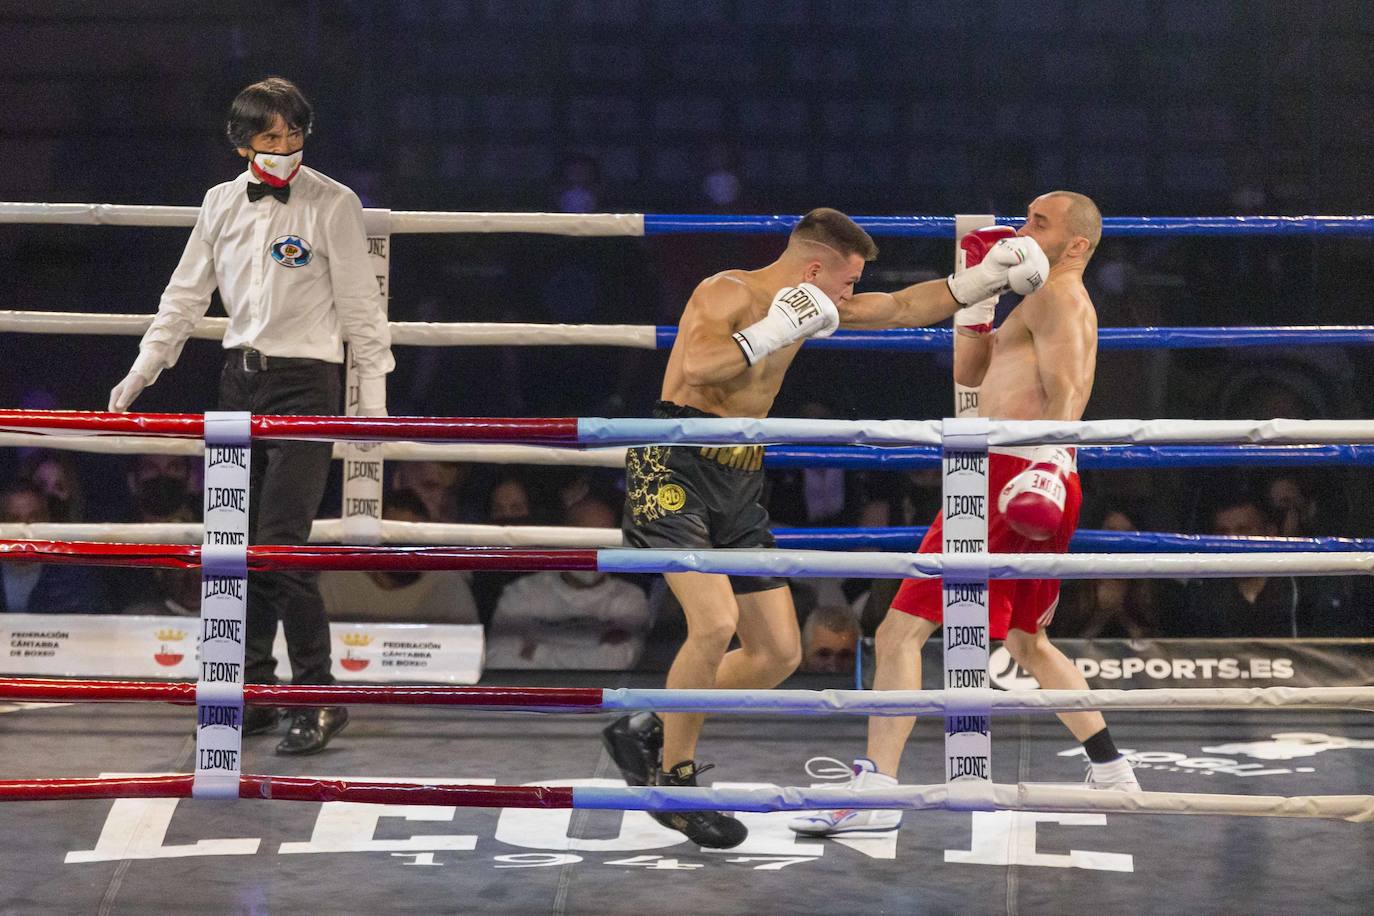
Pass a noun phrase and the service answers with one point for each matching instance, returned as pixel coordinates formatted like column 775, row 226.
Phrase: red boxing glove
column 1033, row 501
column 977, row 317
column 976, row 244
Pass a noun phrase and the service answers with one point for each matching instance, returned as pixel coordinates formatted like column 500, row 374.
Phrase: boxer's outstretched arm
column 1065, row 342
column 710, row 354
column 914, row 307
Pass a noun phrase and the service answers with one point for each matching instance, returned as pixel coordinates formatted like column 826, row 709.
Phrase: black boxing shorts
column 688, row 496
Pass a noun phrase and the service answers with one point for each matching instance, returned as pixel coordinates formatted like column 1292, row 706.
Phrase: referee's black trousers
column 285, row 488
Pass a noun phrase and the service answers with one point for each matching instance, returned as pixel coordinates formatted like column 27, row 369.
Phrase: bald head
column 1082, row 216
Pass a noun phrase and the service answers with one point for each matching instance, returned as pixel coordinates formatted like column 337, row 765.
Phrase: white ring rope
column 404, row 333
column 574, row 224
column 328, row 531
column 787, row 430
column 980, row 796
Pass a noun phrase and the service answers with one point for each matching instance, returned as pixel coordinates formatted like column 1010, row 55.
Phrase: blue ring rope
column 1090, row 457
column 1085, row 541
column 942, row 227
column 941, row 340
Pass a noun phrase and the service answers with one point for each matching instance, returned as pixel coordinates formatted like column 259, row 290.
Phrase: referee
column 286, row 248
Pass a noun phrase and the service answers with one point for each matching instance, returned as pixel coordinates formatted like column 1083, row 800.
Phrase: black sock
column 1101, row 748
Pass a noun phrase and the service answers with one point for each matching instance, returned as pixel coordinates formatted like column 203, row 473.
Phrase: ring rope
column 767, row 562
column 649, row 337
column 454, row 534
column 1023, row 797
column 851, row 457
column 739, row 702
column 571, row 431
column 639, row 224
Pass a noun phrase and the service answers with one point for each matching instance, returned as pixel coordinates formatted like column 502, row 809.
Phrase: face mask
column 277, row 169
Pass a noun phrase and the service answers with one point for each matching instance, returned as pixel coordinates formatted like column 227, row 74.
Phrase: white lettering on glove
column 1016, row 263
column 796, row 313
column 1033, row 501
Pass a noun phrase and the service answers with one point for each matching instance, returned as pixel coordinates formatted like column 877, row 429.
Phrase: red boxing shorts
column 1025, row 604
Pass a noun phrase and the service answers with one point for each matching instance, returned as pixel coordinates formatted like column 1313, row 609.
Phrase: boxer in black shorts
column 687, row 496
column 738, row 334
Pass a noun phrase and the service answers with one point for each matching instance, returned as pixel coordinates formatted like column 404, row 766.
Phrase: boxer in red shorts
column 1023, row 604
column 1039, row 365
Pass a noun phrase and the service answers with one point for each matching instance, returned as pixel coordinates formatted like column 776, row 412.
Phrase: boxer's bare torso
column 720, row 305
column 1044, row 356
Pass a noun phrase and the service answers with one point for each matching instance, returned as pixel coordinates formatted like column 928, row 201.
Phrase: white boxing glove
column 372, row 396
column 1033, row 501
column 797, row 312
column 977, row 319
column 123, row 394
column 1016, row 263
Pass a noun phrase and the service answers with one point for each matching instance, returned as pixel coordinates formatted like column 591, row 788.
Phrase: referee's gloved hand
column 123, row 394
column 372, row 396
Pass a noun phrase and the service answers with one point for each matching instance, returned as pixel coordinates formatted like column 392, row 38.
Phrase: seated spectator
column 1260, row 606
column 37, row 588
column 573, row 619
column 439, row 484
column 168, row 468
column 829, row 638
column 384, row 596
column 54, row 474
column 1114, row 608
column 508, row 503
column 161, row 500
column 1290, row 500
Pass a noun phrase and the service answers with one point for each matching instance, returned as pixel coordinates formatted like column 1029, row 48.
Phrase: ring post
column 966, row 398
column 362, row 461
column 964, row 581
column 223, row 606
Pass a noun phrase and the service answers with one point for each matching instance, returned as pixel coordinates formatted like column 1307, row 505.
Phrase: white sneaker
column 1114, row 774
column 863, row 775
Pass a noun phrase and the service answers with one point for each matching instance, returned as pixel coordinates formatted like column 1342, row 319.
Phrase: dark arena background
column 1230, row 148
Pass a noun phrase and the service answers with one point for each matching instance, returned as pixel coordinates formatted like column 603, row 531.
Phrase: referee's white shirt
column 295, row 278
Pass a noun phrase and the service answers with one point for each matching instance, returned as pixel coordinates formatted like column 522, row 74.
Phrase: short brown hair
column 1084, row 217
column 834, row 229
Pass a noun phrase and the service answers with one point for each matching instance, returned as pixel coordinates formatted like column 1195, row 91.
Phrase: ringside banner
column 90, row 645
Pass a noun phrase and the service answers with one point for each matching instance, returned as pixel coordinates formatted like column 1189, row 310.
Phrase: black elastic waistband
column 667, row 410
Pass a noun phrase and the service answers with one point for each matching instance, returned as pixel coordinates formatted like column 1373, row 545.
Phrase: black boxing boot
column 635, row 743
column 712, row 829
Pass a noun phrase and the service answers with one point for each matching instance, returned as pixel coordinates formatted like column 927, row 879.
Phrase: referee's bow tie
column 258, row 190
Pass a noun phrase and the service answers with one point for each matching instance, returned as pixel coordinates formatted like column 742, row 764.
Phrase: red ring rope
column 293, row 788
column 51, row 690
column 534, row 430
column 273, row 556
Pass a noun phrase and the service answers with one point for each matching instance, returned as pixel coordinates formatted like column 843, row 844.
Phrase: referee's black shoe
column 635, row 743
column 311, row 729
column 712, row 829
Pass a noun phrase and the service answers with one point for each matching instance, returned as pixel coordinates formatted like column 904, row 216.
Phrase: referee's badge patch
column 291, row 251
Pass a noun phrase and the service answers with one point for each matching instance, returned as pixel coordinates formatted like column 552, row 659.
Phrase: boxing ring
column 497, row 796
